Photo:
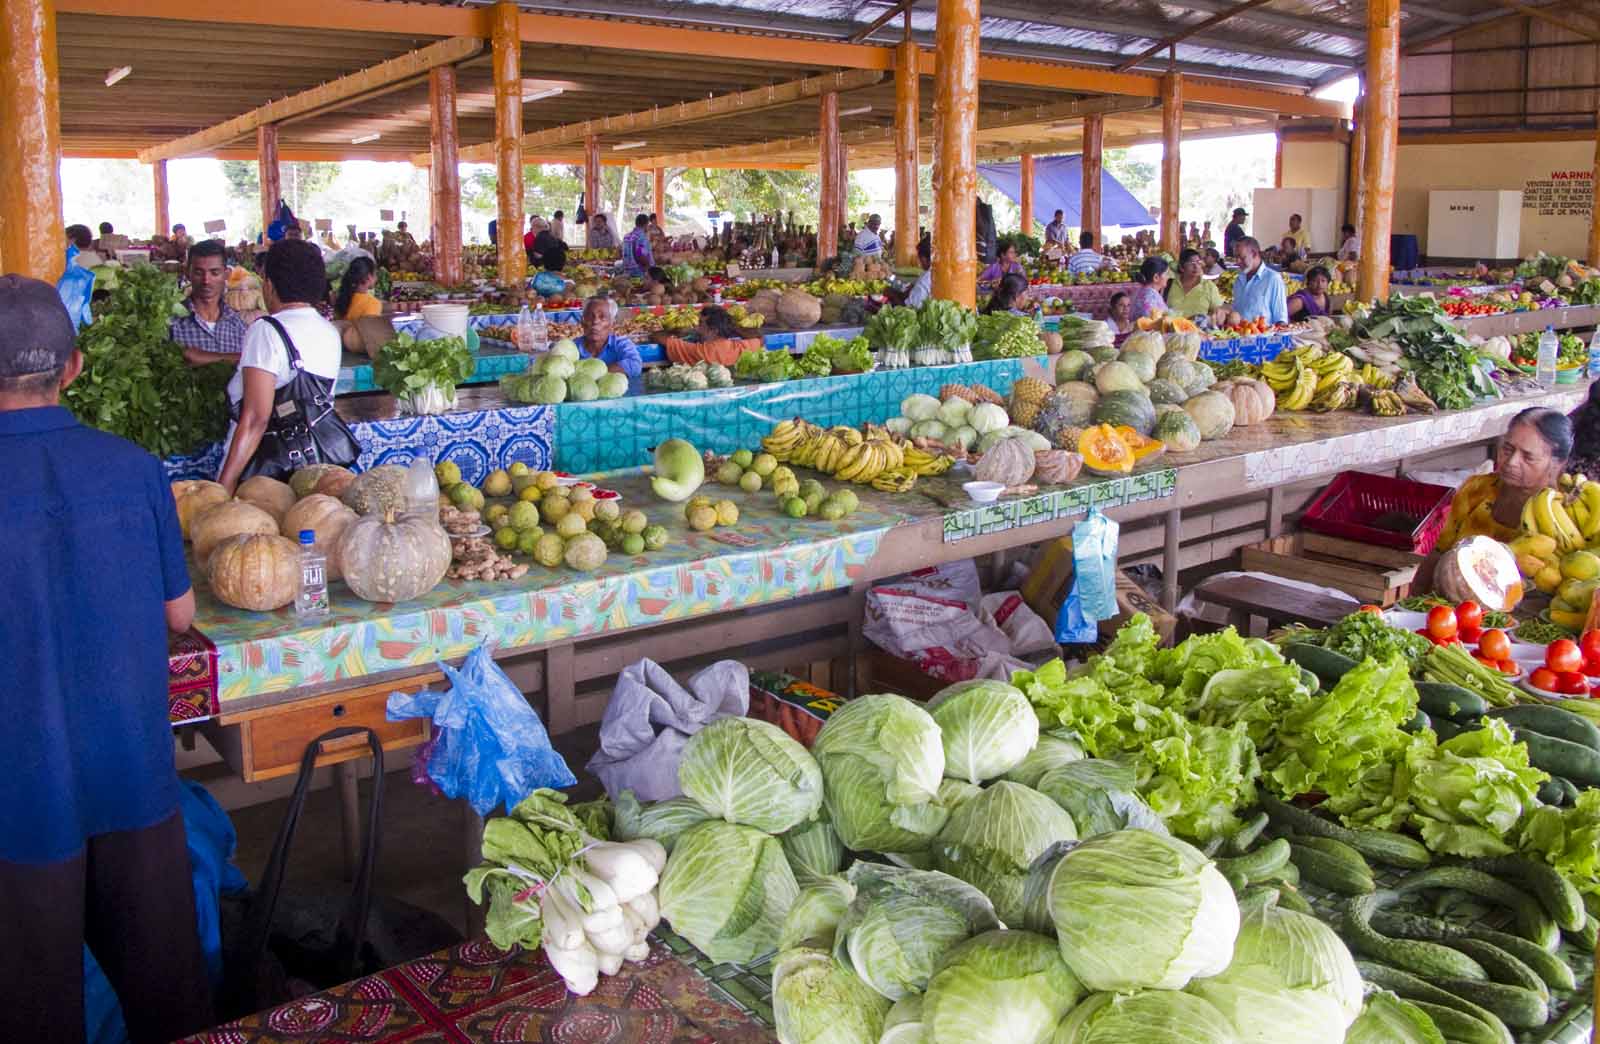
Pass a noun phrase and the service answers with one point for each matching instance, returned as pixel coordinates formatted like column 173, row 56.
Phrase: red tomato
column 1491, row 664
column 1441, row 623
column 1470, row 635
column 1510, row 667
column 1469, row 615
column 1590, row 643
column 1563, row 655
column 1370, row 609
column 1571, row 683
column 1544, row 678
column 1591, row 666
column 1495, row 644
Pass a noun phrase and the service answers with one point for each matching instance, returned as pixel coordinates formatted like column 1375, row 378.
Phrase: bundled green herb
column 1444, row 363
column 136, row 383
column 406, row 366
column 1006, row 336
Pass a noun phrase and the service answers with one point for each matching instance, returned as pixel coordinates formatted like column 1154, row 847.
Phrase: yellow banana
column 1589, row 497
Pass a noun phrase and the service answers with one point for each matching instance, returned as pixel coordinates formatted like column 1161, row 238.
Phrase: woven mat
column 191, row 677
column 477, row 993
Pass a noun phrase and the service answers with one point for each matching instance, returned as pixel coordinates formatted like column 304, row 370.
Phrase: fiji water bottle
column 1593, row 368
column 311, row 597
column 540, row 339
column 1549, row 345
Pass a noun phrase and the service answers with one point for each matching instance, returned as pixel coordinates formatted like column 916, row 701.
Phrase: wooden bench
column 1278, row 604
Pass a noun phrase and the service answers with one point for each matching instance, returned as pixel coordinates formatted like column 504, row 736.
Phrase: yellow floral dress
column 1472, row 513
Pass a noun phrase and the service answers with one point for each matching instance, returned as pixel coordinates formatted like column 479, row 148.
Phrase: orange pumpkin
column 1104, row 452
column 255, row 571
column 194, row 497
column 230, row 518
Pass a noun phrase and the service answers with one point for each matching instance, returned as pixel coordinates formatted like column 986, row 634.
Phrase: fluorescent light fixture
column 365, row 138
column 856, row 112
column 116, row 76
column 542, row 95
column 629, row 145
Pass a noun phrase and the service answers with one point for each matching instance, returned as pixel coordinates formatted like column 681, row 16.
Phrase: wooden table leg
column 560, row 690
column 346, row 781
column 1170, row 560
column 472, row 832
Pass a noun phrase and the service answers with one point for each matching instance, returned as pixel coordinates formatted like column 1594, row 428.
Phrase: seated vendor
column 1006, row 264
column 1010, row 296
column 618, row 353
column 1192, row 295
column 1531, row 455
column 1312, row 300
column 355, row 299
column 716, row 325
column 1120, row 315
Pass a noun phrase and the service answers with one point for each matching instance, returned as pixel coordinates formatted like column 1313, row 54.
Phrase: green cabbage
column 1053, row 751
column 990, row 842
column 813, row 849
column 1389, row 1020
column 816, row 1001
column 987, row 728
column 1147, row 1018
column 727, row 889
column 1469, row 793
column 1291, row 979
column 1135, row 910
column 903, row 1024
column 660, row 821
column 882, row 761
column 902, row 921
column 1100, row 797
column 814, row 918
column 1001, row 987
column 751, row 772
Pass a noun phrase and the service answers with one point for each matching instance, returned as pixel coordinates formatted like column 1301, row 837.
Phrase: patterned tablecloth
column 476, row 993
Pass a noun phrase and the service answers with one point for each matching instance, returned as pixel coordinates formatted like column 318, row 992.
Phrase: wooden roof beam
column 381, row 78
column 1553, row 19
column 1198, row 27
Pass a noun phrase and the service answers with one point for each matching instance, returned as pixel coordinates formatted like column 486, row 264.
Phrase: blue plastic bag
column 76, row 287
column 548, row 284
column 489, row 745
column 1092, row 596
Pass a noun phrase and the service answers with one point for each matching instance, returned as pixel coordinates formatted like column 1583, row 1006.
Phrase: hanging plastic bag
column 651, row 717
column 76, row 287
column 1092, row 597
column 489, row 745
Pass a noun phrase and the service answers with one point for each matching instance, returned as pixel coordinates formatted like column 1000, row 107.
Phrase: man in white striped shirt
column 1086, row 259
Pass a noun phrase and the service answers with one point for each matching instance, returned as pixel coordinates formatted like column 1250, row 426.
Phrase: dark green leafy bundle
column 1006, row 336
column 764, row 365
column 406, row 366
column 833, row 355
column 1587, row 292
column 135, row 382
column 945, row 324
column 1361, row 635
column 1445, row 364
column 1542, row 266
column 894, row 327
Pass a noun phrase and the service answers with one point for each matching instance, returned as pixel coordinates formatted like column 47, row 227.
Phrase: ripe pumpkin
column 268, row 494
column 389, row 559
column 227, row 519
column 1212, row 413
column 309, row 479
column 377, row 491
column 255, row 571
column 1143, row 447
column 1253, row 400
column 1009, row 462
column 1104, row 452
column 194, row 497
column 1056, row 467
column 327, row 517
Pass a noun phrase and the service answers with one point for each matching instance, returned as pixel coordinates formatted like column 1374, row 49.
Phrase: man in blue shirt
column 1257, row 289
column 618, row 353
column 637, row 256
column 92, row 846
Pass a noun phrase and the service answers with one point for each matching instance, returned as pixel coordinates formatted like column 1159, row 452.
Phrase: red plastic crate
column 1354, row 500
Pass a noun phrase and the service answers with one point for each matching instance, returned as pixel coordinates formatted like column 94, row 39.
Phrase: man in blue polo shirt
column 92, row 847
column 1258, row 291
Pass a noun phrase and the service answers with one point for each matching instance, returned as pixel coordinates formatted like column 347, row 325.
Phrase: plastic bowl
column 984, row 492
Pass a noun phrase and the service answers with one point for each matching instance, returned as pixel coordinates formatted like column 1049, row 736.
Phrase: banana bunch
column 1294, row 382
column 1340, row 395
column 1584, row 507
column 868, row 459
column 1373, row 377
column 1539, row 559
column 784, row 439
column 827, row 454
column 1384, row 402
column 1546, row 514
column 925, row 463
column 896, row 480
column 1332, row 368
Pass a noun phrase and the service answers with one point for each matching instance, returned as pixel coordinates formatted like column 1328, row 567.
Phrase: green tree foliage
column 298, row 181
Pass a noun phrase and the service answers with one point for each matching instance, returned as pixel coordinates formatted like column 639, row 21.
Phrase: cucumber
column 1431, row 960
column 1551, row 721
column 1418, row 722
column 1548, row 966
column 1569, row 790
column 1247, row 835
column 1258, row 865
column 1378, row 845
column 1459, row 1028
column 1331, row 864
column 1288, row 874
column 1513, row 1005
column 1445, row 729
column 1587, row 937
column 1504, row 968
column 1533, row 923
column 1415, row 989
column 1551, row 792
column 1561, row 757
column 1289, row 898
column 1326, row 664
column 1559, row 899
column 1443, row 700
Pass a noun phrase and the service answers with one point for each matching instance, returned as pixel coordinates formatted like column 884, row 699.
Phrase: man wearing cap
column 92, row 846
column 1234, row 232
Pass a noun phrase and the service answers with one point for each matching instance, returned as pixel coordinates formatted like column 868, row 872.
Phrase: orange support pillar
column 1382, row 111
column 907, row 87
column 158, row 179
column 1094, row 137
column 1358, row 159
column 507, row 38
column 1171, row 150
column 444, row 177
column 592, row 185
column 1027, row 193
column 844, row 184
column 955, row 100
column 829, row 204
column 1277, row 159
column 659, row 196
column 268, row 173
column 31, row 239
column 1594, row 221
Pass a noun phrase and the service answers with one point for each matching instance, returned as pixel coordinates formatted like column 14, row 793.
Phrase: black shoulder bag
column 303, row 427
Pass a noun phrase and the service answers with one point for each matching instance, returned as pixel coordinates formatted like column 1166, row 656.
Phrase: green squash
column 1212, row 413
column 1130, row 408
column 1164, row 391
column 1178, row 430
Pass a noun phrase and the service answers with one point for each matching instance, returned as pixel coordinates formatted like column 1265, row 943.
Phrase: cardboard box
column 1131, row 599
column 1050, row 578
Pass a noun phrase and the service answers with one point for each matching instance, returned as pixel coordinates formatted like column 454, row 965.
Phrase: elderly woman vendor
column 1531, row 455
column 618, row 353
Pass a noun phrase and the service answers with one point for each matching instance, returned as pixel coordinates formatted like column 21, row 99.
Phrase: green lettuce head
column 727, row 889
column 1146, row 1018
column 901, row 922
column 817, row 1001
column 991, row 840
column 1053, row 751
column 660, row 821
column 903, row 1024
column 752, row 773
column 882, row 762
column 814, row 918
column 987, row 728
column 1001, row 987
column 1389, row 1020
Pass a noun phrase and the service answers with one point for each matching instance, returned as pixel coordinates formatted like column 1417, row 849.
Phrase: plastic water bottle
column 1549, row 345
column 422, row 489
column 311, row 597
column 524, row 331
column 1593, row 368
column 540, row 340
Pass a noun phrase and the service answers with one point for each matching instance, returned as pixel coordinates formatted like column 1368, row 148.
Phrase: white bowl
column 984, row 492
column 449, row 319
column 1405, row 619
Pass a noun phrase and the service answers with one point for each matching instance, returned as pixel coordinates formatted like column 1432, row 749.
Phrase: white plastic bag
column 651, row 717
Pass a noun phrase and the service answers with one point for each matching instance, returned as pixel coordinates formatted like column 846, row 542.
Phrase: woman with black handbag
column 281, row 396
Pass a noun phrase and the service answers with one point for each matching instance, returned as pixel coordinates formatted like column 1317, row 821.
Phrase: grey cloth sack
column 651, row 717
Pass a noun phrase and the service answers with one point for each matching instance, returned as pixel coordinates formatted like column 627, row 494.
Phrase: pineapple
column 1028, row 396
column 973, row 393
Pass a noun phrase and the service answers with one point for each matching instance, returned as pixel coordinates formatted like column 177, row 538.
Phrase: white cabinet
column 1474, row 225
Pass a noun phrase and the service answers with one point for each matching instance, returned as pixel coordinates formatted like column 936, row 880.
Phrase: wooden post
column 268, row 174
column 1171, row 148
column 907, row 86
column 592, row 185
column 1358, row 158
column 844, row 182
column 1594, row 216
column 1027, row 193
column 659, row 197
column 158, row 180
column 828, row 206
column 444, row 175
column 1277, row 159
column 1094, row 136
column 31, row 240
column 1382, row 111
column 507, row 38
column 955, row 94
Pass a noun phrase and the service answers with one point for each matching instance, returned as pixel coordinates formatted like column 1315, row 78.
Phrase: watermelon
column 1130, row 408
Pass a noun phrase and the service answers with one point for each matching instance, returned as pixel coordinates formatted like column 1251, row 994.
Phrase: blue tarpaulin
column 1058, row 185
